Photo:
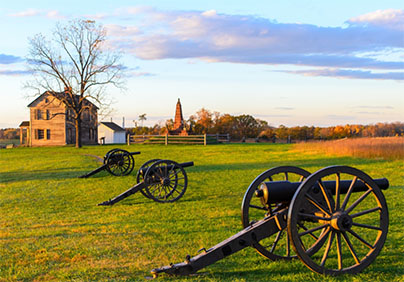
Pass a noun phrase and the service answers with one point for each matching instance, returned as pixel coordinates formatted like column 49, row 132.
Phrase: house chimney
column 111, row 119
column 123, row 122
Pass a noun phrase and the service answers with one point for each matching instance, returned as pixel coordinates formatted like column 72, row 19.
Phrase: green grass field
column 51, row 228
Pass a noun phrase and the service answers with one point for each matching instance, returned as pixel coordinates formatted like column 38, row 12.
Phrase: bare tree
column 75, row 67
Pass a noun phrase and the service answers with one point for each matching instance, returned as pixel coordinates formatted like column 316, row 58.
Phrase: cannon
column 163, row 181
column 335, row 220
column 117, row 162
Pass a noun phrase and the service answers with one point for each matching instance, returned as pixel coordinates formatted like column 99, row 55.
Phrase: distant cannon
column 163, row 181
column 335, row 226
column 117, row 162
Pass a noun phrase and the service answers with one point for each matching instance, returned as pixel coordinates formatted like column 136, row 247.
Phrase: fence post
column 204, row 139
column 166, row 139
column 228, row 138
column 128, row 139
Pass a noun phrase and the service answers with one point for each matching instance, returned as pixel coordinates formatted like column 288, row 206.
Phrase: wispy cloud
column 347, row 73
column 9, row 59
column 215, row 37
column 50, row 14
column 389, row 18
column 14, row 72
column 26, row 13
column 284, row 108
column 375, row 107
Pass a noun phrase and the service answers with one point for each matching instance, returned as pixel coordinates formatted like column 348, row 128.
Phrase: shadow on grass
column 54, row 174
column 64, row 173
column 270, row 164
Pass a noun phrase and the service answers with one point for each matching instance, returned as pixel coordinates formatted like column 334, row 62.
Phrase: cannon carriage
column 163, row 181
column 335, row 221
column 117, row 162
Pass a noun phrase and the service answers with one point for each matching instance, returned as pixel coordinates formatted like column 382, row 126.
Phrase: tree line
column 246, row 126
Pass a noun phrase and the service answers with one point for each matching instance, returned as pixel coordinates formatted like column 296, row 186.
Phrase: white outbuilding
column 111, row 133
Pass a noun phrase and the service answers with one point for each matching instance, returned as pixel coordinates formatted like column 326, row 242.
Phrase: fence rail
column 175, row 139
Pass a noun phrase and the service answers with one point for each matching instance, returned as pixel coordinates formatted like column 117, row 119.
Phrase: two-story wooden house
column 51, row 123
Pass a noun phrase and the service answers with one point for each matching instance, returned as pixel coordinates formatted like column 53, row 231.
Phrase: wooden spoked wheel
column 107, row 155
column 120, row 162
column 166, row 181
column 142, row 170
column 252, row 210
column 350, row 228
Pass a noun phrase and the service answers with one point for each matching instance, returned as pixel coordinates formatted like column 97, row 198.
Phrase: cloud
column 215, row 37
column 9, row 59
column 375, row 107
column 347, row 73
column 284, row 108
column 389, row 18
column 14, row 72
column 26, row 13
column 50, row 14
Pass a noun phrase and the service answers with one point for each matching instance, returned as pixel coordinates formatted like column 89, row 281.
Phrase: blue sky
column 288, row 62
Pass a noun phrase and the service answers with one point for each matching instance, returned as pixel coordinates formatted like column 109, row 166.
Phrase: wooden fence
column 175, row 139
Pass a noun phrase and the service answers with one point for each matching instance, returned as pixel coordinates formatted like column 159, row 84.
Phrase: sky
column 292, row 63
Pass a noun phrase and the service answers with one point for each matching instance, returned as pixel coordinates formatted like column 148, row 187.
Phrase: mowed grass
column 51, row 228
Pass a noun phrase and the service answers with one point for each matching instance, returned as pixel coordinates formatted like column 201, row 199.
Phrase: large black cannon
column 163, row 181
column 335, row 220
column 117, row 162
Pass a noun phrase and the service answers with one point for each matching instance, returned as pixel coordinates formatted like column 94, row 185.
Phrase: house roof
column 112, row 126
column 58, row 95
column 24, row 124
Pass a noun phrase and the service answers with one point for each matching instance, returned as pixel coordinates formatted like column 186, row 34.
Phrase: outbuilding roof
column 112, row 126
column 24, row 124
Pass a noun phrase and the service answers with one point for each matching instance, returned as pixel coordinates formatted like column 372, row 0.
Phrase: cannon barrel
column 187, row 164
column 283, row 191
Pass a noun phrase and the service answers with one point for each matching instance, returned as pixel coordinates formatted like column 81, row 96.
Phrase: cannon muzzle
column 282, row 191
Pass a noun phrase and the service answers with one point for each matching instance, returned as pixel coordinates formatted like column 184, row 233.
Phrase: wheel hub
column 165, row 181
column 341, row 221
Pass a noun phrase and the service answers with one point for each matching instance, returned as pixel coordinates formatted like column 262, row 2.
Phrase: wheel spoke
column 326, row 198
column 287, row 246
column 339, row 251
column 314, row 216
column 278, row 236
column 357, row 202
column 348, row 194
column 365, row 212
column 305, row 228
column 337, row 191
column 286, row 176
column 313, row 229
column 257, row 207
column 350, row 247
column 316, row 204
column 366, row 226
column 328, row 247
column 360, row 239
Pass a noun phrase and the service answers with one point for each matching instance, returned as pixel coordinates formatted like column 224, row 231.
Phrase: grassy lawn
column 51, row 228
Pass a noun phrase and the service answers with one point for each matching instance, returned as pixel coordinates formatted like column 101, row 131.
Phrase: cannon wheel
column 354, row 226
column 109, row 153
column 120, row 162
column 139, row 176
column 278, row 246
column 166, row 181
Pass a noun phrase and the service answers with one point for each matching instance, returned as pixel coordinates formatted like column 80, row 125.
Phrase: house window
column 47, row 114
column 48, row 134
column 46, row 100
column 40, row 134
column 38, row 114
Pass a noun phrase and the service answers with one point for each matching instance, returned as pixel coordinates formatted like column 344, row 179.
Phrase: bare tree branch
column 75, row 68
